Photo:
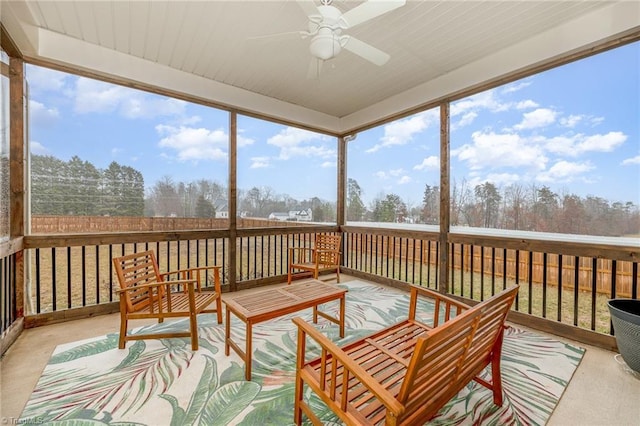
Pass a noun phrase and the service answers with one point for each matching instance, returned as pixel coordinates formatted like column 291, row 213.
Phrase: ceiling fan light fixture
column 325, row 45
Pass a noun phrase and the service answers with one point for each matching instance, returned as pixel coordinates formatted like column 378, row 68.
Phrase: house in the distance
column 301, row 215
column 222, row 209
column 293, row 216
column 283, row 217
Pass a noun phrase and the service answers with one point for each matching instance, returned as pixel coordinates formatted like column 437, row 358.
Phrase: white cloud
column 601, row 143
column 571, row 121
column 540, row 117
column 485, row 100
column 491, row 150
column 243, row 141
column 565, row 171
column 45, row 79
column 498, row 179
column 631, row 161
column 526, row 104
column 561, row 145
column 469, row 108
column 514, row 87
column 402, row 132
column 328, row 165
column 465, row 120
column 503, row 179
column 294, row 142
column 579, row 144
column 194, row 143
column 259, row 162
column 94, row 96
column 37, row 148
column 431, row 162
column 40, row 115
column 394, row 173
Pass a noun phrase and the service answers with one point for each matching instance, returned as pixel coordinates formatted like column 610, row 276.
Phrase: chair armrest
column 189, row 283
column 354, row 369
column 193, row 274
column 451, row 306
column 299, row 252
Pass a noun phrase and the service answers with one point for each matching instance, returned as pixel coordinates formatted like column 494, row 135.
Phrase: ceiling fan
column 327, row 23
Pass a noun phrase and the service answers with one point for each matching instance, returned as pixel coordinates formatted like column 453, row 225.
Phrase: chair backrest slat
column 328, row 249
column 134, row 270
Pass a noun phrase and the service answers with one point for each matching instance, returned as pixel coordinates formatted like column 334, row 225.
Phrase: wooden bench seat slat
column 403, row 374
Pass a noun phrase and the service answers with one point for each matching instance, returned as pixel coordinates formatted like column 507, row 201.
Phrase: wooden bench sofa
column 145, row 293
column 405, row 373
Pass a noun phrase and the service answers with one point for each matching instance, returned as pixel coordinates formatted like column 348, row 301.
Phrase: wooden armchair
column 405, row 373
column 325, row 255
column 146, row 293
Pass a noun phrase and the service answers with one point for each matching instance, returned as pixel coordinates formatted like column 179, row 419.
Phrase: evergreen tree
column 431, row 205
column 204, row 208
column 355, row 206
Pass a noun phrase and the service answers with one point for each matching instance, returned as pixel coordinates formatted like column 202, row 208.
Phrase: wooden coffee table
column 264, row 305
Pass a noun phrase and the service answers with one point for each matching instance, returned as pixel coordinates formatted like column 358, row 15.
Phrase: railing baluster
column 544, row 285
column 84, row 276
column 517, row 301
column 111, row 273
column 594, row 288
column 493, row 271
column 97, row 274
column 38, row 281
column 482, row 272
column 504, row 268
column 634, row 280
column 530, row 280
column 462, row 268
column 576, row 289
column 54, row 290
column 560, row 274
column 69, row 291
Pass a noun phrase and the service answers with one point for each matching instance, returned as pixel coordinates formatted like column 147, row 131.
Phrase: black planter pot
column 625, row 315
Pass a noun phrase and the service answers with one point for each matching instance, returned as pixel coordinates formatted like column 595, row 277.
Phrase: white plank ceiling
column 205, row 49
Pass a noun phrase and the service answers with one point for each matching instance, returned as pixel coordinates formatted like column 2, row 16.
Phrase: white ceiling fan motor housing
column 326, row 43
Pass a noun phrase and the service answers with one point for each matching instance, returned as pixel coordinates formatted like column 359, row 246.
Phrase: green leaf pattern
column 163, row 382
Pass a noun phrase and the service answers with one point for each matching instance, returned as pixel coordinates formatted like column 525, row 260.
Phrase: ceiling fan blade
column 369, row 10
column 315, row 66
column 308, row 7
column 280, row 36
column 365, row 50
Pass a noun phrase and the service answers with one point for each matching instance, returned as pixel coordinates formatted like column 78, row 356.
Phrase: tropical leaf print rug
column 163, row 382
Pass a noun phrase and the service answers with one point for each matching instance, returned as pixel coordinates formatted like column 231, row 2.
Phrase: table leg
column 342, row 310
column 247, row 360
column 315, row 314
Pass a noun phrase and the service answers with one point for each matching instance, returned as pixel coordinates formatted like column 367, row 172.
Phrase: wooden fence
column 590, row 273
column 44, row 224
column 479, row 259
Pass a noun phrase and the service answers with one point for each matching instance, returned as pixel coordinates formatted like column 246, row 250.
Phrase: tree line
column 77, row 187
column 517, row 207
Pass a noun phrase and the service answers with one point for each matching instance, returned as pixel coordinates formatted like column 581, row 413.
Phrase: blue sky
column 574, row 129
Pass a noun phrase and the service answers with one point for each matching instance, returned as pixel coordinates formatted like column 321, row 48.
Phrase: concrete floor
column 601, row 392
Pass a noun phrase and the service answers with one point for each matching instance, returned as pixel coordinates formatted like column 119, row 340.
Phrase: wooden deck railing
column 561, row 282
column 8, row 311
